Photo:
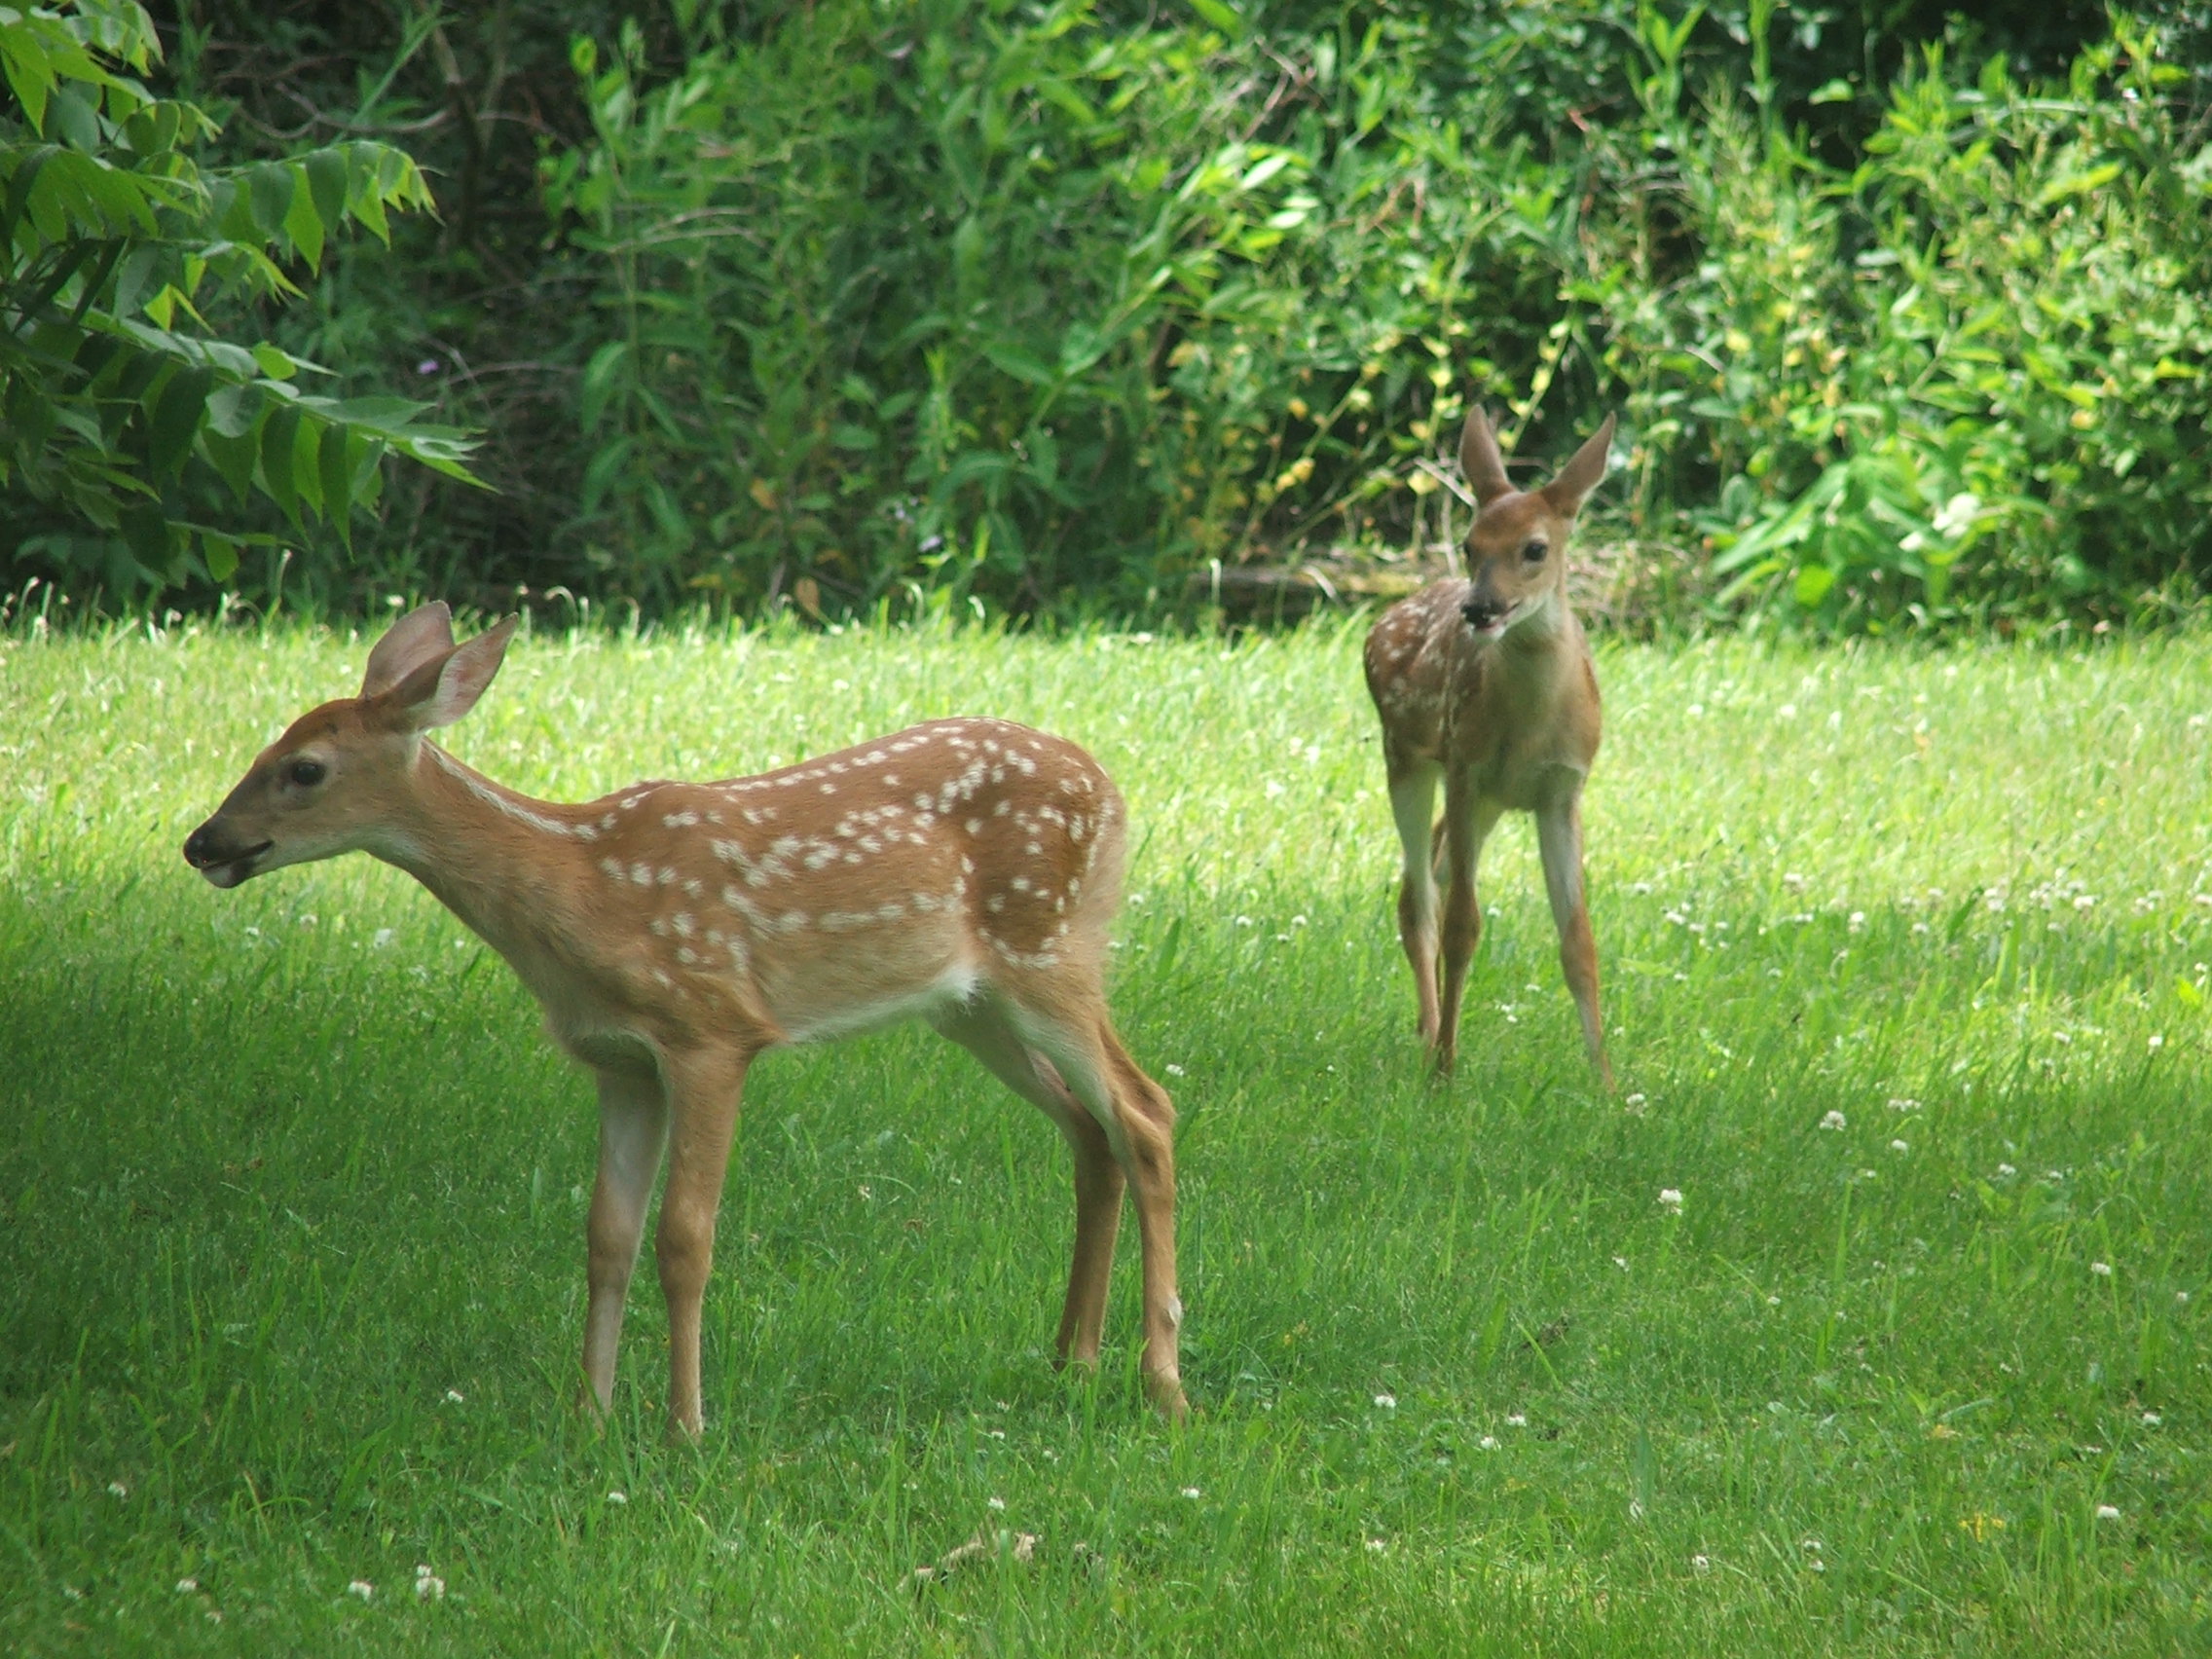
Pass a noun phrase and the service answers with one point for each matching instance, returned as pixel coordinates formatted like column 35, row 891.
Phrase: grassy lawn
column 292, row 1192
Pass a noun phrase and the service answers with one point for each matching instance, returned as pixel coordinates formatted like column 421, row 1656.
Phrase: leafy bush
column 998, row 300
column 1047, row 304
column 113, row 246
column 1971, row 372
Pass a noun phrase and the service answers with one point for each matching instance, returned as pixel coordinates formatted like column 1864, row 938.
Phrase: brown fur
column 963, row 872
column 1506, row 715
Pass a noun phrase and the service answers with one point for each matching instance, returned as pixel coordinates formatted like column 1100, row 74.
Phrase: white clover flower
column 116, row 1489
column 1388, row 1402
column 1900, row 1146
column 1376, row 1546
column 1174, row 1070
column 1897, row 1105
column 1633, row 1103
column 1774, row 1302
column 453, row 1396
column 1835, row 1121
column 619, row 1497
column 362, row 1588
column 2103, row 1270
column 2007, row 1169
column 1857, row 922
column 2107, row 1512
column 2181, row 1296
column 1621, row 1262
column 995, row 1502
column 2156, row 1041
column 1700, row 1564
column 1669, row 1198
column 1489, row 1443
column 186, row 1586
column 2152, row 1419
column 429, row 1586
column 1517, row 1420
column 1192, row 1492
column 380, row 937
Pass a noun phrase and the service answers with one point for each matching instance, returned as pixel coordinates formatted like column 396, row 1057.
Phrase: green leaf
column 174, row 420
column 73, row 119
column 307, row 461
column 1813, row 584
column 275, row 363
column 1220, row 15
column 232, row 410
column 148, row 533
column 362, row 201
column 220, row 554
column 337, row 466
column 19, row 190
column 232, row 454
column 271, row 185
column 600, row 379
column 2077, row 184
column 302, row 223
column 326, row 187
column 277, row 433
column 28, row 73
column 1015, row 361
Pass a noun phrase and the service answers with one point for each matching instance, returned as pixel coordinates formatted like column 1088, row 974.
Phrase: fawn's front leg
column 704, row 1087
column 633, row 1130
column 1412, row 805
column 1467, row 823
column 1558, row 837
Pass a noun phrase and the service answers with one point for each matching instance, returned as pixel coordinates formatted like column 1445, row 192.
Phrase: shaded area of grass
column 291, row 1191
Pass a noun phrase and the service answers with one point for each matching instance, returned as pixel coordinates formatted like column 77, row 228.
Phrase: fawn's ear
column 1478, row 459
column 443, row 689
column 1582, row 474
column 423, row 634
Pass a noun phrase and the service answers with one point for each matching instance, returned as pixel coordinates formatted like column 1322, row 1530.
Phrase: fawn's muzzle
column 1483, row 615
column 222, row 862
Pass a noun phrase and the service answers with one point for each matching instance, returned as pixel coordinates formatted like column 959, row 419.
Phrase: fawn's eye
column 306, row 773
column 1533, row 553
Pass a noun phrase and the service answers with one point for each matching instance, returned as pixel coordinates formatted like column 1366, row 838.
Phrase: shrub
column 1969, row 375
column 113, row 245
column 997, row 300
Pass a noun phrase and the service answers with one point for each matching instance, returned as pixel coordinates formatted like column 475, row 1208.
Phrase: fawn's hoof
column 1166, row 1397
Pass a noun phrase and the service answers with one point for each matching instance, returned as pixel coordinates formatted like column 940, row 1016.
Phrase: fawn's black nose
column 200, row 847
column 1480, row 613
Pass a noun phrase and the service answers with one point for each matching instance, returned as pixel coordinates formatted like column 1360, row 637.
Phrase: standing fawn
column 1485, row 682
column 962, row 871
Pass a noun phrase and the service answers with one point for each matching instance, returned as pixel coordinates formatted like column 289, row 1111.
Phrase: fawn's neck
column 506, row 865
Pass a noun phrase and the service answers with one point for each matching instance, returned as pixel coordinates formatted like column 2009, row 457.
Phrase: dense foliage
column 1046, row 306
column 113, row 243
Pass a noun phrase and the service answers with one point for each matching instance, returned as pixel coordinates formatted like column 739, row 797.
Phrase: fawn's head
column 1517, row 546
column 327, row 785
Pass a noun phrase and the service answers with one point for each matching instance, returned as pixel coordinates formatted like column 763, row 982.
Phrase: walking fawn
column 1485, row 682
column 962, row 871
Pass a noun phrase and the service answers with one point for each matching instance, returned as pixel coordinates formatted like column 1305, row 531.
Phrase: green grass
column 291, row 1191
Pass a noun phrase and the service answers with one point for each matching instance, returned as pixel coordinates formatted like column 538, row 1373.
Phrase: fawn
column 1485, row 682
column 964, row 871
